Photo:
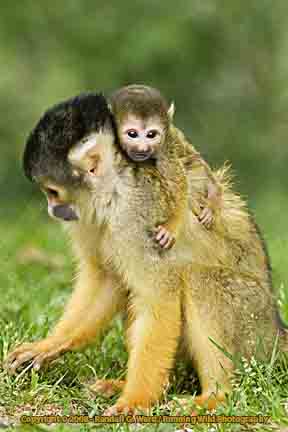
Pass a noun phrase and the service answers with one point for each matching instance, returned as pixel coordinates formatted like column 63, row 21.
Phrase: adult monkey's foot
column 107, row 388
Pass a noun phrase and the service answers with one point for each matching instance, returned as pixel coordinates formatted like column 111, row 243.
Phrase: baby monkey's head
column 142, row 117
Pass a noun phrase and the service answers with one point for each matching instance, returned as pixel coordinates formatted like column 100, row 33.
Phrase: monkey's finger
column 19, row 349
column 23, row 358
column 113, row 410
column 48, row 356
column 208, row 224
column 158, row 228
column 170, row 243
column 204, row 213
column 12, row 356
column 120, row 409
column 207, row 219
column 38, row 362
column 205, row 216
column 164, row 240
column 162, row 232
column 107, row 388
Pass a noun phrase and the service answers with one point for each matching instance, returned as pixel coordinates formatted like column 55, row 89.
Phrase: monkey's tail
column 283, row 344
column 283, row 333
column 225, row 176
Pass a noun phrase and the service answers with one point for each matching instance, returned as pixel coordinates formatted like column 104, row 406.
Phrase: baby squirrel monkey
column 146, row 132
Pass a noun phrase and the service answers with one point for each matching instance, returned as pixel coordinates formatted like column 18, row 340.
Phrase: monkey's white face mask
column 92, row 161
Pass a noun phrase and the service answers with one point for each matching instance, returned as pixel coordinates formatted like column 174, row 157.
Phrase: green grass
column 33, row 295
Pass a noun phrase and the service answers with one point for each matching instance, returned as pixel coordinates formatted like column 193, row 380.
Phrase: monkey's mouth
column 140, row 156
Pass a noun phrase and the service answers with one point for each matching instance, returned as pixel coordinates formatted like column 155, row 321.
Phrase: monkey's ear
column 171, row 111
column 80, row 153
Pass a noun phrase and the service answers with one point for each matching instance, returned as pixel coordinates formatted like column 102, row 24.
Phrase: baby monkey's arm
column 183, row 165
column 175, row 197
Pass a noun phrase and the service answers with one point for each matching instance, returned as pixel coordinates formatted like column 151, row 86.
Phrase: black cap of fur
column 58, row 130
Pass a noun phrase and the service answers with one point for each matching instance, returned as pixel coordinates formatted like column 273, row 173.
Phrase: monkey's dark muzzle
column 65, row 212
column 140, row 156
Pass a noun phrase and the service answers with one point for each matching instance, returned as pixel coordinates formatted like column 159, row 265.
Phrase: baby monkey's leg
column 174, row 196
column 93, row 303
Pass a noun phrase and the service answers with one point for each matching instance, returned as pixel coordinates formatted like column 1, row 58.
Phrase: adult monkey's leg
column 153, row 339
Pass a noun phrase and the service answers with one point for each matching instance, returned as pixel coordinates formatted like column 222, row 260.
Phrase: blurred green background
column 224, row 63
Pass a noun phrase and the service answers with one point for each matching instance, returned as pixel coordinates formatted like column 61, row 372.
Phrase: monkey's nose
column 142, row 147
column 65, row 212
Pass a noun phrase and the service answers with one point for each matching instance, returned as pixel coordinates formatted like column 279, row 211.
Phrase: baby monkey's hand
column 206, row 217
column 164, row 237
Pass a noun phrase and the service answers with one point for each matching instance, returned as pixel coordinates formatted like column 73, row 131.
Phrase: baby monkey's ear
column 171, row 111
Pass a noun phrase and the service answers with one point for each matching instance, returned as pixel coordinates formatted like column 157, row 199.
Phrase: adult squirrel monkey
column 221, row 297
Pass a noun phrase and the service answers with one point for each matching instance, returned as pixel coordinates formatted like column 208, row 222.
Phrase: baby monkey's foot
column 107, row 388
column 37, row 353
column 206, row 217
column 164, row 237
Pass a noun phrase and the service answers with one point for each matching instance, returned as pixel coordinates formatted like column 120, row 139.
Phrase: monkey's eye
column 152, row 133
column 132, row 133
column 52, row 192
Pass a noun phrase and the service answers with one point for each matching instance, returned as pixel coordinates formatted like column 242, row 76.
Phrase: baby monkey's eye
column 152, row 133
column 132, row 133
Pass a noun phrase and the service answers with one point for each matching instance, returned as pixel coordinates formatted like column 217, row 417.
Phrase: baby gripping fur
column 211, row 291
